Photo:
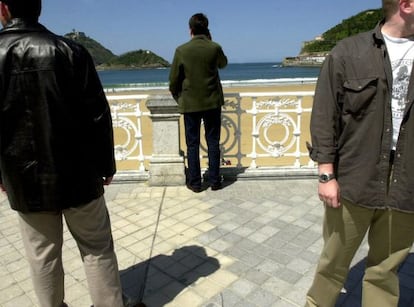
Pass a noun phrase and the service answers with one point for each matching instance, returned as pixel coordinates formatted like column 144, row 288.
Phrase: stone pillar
column 166, row 164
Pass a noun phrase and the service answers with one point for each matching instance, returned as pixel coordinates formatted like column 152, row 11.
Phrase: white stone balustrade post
column 166, row 164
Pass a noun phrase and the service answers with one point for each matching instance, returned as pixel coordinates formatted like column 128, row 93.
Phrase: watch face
column 324, row 177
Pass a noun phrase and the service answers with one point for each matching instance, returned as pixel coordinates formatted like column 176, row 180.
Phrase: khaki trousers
column 390, row 237
column 89, row 225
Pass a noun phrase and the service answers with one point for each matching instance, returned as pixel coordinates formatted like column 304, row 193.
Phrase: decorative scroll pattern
column 259, row 129
column 230, row 144
column 273, row 120
column 127, row 117
column 277, row 125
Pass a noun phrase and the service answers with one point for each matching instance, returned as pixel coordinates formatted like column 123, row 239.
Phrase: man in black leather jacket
column 56, row 153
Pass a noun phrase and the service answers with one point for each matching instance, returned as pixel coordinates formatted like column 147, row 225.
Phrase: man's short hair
column 29, row 9
column 389, row 7
column 199, row 24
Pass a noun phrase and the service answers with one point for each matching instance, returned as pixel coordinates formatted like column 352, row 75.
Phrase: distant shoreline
column 259, row 87
column 122, row 68
column 306, row 60
column 228, row 84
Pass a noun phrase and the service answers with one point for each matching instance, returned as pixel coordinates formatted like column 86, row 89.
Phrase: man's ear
column 405, row 6
column 4, row 11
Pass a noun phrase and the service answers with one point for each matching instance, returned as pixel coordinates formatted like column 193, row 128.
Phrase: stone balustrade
column 264, row 135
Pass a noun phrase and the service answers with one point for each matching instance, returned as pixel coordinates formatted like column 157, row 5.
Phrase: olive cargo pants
column 390, row 237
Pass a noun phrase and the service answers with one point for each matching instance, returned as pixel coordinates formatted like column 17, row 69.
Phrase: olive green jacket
column 194, row 78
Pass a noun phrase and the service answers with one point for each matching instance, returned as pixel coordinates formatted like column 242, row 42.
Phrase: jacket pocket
column 359, row 95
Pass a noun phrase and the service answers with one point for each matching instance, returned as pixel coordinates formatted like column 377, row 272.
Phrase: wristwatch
column 325, row 177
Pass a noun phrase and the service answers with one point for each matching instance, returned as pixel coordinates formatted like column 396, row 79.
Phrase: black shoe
column 216, row 187
column 194, row 189
column 132, row 302
column 128, row 302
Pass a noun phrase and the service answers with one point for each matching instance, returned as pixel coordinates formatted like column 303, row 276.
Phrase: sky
column 248, row 31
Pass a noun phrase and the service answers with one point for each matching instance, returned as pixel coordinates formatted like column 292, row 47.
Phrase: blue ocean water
column 232, row 75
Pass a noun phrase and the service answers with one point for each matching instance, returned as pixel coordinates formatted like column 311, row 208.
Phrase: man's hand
column 329, row 193
column 108, row 180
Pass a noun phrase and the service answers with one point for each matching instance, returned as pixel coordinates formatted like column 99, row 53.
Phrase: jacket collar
column 377, row 35
column 26, row 25
column 200, row 36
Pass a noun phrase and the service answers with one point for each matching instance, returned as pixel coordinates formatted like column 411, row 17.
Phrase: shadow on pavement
column 353, row 285
column 167, row 275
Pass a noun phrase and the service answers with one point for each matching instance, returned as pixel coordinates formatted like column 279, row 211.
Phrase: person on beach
column 196, row 86
column 56, row 153
column 361, row 127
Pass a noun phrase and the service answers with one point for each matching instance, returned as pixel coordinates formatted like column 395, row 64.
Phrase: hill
column 106, row 59
column 135, row 59
column 361, row 22
column 99, row 53
column 313, row 52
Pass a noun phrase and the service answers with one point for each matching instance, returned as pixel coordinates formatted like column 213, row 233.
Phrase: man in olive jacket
column 362, row 128
column 56, row 153
column 195, row 85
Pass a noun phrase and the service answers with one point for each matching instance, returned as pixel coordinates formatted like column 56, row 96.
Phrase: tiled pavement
column 253, row 243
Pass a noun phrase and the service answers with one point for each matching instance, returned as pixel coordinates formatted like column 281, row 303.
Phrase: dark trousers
column 212, row 127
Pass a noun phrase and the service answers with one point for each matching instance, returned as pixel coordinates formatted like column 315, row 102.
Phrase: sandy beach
column 236, row 153
column 230, row 89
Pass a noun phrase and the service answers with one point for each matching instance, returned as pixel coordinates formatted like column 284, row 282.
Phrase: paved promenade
column 254, row 243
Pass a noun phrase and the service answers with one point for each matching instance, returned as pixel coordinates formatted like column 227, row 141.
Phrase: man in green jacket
column 362, row 138
column 195, row 85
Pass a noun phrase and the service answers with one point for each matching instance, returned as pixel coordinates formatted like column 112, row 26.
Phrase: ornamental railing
column 262, row 133
column 280, row 126
column 132, row 147
column 265, row 133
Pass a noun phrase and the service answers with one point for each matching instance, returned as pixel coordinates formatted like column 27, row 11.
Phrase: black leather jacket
column 56, row 138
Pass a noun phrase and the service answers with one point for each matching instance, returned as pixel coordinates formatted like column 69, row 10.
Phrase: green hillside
column 361, row 22
column 136, row 59
column 106, row 59
column 99, row 53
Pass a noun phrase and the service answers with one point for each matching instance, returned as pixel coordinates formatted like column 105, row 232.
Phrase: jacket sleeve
column 2, row 90
column 325, row 118
column 99, row 114
column 176, row 77
column 222, row 59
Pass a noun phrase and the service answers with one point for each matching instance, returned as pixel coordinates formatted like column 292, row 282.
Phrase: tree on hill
column 361, row 22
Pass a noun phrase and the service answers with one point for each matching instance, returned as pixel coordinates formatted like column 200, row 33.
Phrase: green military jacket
column 194, row 78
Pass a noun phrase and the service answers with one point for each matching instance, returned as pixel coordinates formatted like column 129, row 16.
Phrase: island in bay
column 105, row 59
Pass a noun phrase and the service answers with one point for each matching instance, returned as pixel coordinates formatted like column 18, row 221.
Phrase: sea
column 237, row 74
